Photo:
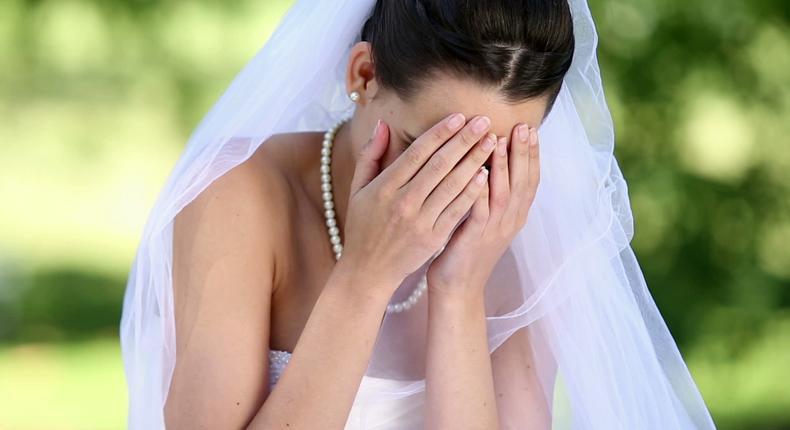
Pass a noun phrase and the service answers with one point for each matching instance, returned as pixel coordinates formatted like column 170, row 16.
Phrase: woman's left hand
column 466, row 263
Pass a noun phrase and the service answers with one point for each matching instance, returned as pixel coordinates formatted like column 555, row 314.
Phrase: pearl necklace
column 331, row 222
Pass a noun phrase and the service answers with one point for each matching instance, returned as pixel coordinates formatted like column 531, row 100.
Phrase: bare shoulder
column 225, row 247
column 242, row 212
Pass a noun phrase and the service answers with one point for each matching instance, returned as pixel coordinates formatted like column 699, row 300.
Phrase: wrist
column 467, row 288
column 456, row 308
column 457, row 297
column 362, row 283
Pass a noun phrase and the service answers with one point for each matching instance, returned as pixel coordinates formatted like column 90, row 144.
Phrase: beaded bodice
column 392, row 414
column 277, row 362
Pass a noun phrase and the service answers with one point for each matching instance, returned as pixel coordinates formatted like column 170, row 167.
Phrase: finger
column 368, row 162
column 453, row 184
column 414, row 157
column 519, row 163
column 480, row 209
column 533, row 178
column 500, row 180
column 446, row 158
column 453, row 213
column 474, row 225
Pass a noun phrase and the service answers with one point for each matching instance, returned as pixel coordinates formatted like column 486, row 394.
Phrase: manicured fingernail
column 501, row 146
column 534, row 134
column 523, row 132
column 480, row 124
column 481, row 175
column 488, row 142
column 455, row 121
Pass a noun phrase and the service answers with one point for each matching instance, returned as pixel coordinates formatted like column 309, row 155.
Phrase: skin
column 264, row 279
column 459, row 378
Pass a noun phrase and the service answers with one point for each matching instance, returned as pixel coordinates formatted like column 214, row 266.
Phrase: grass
column 62, row 386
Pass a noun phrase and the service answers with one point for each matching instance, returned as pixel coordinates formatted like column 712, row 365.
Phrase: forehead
column 445, row 95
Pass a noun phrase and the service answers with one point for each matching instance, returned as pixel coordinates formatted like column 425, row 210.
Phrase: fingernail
column 501, row 146
column 481, row 175
column 488, row 142
column 375, row 129
column 523, row 132
column 534, row 134
column 455, row 121
column 480, row 124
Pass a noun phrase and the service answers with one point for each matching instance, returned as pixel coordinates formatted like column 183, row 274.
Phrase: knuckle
column 499, row 201
column 413, row 157
column 451, row 185
column 403, row 206
column 436, row 134
column 468, row 137
column 522, row 150
column 533, row 151
column 454, row 212
column 382, row 193
column 473, row 190
column 438, row 164
column 481, row 155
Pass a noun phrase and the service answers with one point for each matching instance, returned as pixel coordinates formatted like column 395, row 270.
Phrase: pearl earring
column 354, row 96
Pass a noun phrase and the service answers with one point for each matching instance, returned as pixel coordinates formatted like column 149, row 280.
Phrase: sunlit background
column 98, row 97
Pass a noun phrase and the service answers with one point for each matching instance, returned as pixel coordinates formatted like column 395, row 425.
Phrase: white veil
column 570, row 276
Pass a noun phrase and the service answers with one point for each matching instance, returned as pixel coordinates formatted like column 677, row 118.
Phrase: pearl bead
column 331, row 222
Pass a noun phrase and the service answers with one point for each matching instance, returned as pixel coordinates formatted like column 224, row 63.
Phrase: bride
column 403, row 215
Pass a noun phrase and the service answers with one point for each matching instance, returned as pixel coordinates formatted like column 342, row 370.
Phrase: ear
column 361, row 72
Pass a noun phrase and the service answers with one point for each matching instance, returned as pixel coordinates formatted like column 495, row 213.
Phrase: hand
column 399, row 218
column 496, row 217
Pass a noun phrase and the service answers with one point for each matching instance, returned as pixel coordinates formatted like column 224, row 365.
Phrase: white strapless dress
column 401, row 414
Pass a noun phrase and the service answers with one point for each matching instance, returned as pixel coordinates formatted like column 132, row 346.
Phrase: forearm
column 459, row 380
column 319, row 384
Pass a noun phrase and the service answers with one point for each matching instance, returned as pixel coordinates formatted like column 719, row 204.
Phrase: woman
column 324, row 255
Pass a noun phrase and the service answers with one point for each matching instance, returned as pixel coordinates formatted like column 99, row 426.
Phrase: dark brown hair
column 522, row 47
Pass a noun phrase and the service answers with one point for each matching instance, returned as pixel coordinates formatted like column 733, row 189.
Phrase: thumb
column 368, row 162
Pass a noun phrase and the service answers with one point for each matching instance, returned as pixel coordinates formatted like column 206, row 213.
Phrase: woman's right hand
column 399, row 218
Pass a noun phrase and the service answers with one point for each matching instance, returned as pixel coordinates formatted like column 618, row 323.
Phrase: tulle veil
column 604, row 356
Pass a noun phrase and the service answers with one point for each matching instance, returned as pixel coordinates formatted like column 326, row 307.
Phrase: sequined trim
column 277, row 362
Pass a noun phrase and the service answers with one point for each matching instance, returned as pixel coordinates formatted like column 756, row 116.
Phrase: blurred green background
column 98, row 97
